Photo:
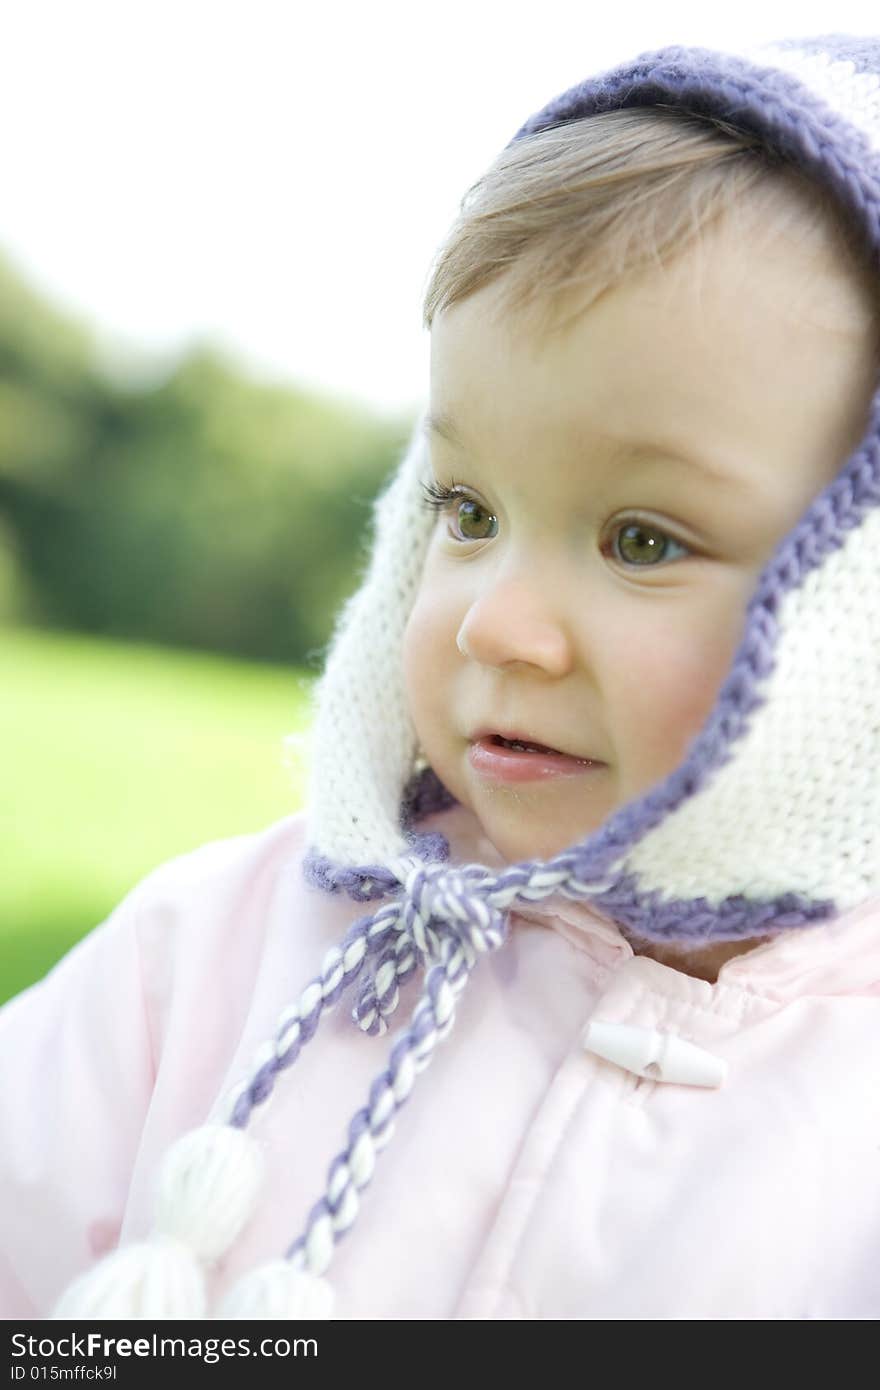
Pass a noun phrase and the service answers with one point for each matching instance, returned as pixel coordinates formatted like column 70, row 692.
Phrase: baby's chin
column 521, row 825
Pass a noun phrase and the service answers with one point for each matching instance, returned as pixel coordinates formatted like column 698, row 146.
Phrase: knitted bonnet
column 757, row 830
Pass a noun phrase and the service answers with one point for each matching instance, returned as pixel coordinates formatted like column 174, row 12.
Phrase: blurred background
column 217, row 223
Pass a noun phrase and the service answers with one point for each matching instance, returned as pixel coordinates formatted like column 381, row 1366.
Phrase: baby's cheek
column 413, row 646
column 677, row 684
column 425, row 659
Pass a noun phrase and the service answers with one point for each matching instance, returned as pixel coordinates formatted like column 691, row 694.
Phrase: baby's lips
column 488, row 735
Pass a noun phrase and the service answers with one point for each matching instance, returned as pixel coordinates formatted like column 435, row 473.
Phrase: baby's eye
column 635, row 543
column 640, row 543
column 470, row 520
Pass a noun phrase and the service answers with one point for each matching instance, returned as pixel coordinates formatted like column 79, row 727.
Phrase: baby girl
column 593, row 824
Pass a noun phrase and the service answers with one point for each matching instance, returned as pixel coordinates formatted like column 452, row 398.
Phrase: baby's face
column 617, row 490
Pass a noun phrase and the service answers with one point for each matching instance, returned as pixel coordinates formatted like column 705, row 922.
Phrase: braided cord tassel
column 417, row 941
column 296, row 1282
column 381, row 993
column 442, row 898
column 299, row 1022
column 372, row 1127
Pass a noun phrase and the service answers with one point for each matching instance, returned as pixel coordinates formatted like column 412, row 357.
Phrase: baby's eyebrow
column 630, row 449
column 662, row 453
column 442, row 425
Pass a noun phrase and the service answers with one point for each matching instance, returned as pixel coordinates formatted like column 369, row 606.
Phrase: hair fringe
column 580, row 205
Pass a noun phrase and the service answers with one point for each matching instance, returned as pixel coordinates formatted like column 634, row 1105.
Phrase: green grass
column 119, row 756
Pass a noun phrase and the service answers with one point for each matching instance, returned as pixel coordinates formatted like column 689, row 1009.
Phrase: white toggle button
column 656, row 1056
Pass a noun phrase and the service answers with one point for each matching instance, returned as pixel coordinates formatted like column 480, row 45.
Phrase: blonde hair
column 583, row 204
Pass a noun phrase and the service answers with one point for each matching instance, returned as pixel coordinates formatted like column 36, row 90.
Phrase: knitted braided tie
column 443, row 920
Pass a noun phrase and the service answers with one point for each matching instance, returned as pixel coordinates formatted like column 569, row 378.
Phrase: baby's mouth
column 521, row 747
column 509, row 757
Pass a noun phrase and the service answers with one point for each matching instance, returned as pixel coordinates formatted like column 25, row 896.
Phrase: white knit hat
column 755, row 831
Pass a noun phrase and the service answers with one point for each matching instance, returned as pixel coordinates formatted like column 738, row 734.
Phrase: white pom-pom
column 157, row 1279
column 208, row 1186
column 277, row 1290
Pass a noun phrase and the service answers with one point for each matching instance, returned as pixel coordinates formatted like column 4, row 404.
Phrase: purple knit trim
column 367, row 882
column 424, row 794
column 771, row 103
column 362, row 884
column 697, row 921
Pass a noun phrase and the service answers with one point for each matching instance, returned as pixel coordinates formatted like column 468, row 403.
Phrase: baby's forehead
column 782, row 242
column 807, row 255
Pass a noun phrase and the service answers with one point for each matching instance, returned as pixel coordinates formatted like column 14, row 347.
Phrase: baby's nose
column 514, row 621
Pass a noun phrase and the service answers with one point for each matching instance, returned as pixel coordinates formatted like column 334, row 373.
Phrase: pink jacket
column 528, row 1177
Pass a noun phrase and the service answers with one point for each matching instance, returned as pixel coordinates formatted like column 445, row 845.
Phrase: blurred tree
column 208, row 510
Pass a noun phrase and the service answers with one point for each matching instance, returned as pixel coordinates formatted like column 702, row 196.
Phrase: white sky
column 277, row 175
